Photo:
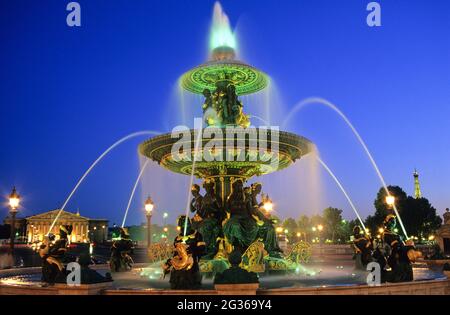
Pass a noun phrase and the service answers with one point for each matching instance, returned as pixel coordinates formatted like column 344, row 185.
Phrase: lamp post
column 14, row 201
column 149, row 205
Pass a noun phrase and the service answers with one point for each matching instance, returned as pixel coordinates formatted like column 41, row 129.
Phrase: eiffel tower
column 417, row 192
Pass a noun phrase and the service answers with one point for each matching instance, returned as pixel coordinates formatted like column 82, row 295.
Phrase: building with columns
column 84, row 229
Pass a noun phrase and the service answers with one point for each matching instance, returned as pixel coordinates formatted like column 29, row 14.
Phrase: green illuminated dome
column 223, row 67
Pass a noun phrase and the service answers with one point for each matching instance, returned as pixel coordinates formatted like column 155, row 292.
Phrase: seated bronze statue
column 240, row 229
column 183, row 266
column 53, row 254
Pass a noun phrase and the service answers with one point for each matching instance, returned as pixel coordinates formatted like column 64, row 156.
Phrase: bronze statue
column 266, row 225
column 120, row 253
column 196, row 205
column 183, row 266
column 240, row 229
column 210, row 227
column 235, row 274
column 363, row 247
column 399, row 254
column 53, row 254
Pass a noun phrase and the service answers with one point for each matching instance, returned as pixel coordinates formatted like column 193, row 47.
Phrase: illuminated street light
column 14, row 202
column 390, row 200
column 268, row 205
column 320, row 227
column 149, row 205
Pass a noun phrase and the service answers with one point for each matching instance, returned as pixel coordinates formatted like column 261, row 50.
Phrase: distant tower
column 417, row 192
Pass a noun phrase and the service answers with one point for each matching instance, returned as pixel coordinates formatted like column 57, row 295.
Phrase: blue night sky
column 66, row 94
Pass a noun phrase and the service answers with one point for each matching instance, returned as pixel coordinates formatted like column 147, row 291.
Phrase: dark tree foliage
column 418, row 215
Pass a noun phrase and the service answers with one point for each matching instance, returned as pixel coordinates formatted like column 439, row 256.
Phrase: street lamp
column 14, row 201
column 390, row 200
column 267, row 205
column 149, row 205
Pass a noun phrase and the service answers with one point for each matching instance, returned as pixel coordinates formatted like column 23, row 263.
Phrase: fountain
column 225, row 152
column 228, row 151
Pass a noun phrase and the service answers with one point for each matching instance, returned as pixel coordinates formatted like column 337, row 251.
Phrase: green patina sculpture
column 240, row 229
column 235, row 274
column 266, row 228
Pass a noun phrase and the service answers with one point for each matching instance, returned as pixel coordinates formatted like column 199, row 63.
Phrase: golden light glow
column 298, row 234
column 390, row 200
column 166, row 229
column 14, row 199
column 268, row 206
column 279, row 229
column 286, row 231
column 431, row 237
column 314, row 228
column 380, row 230
column 320, row 227
column 149, row 205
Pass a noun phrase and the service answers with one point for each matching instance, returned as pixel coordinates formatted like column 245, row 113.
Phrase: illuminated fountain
column 238, row 152
column 228, row 149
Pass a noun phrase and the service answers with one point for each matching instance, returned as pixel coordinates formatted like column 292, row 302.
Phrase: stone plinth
column 237, row 289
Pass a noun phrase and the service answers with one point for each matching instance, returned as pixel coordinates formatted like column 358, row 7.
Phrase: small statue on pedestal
column 120, row 253
column 183, row 266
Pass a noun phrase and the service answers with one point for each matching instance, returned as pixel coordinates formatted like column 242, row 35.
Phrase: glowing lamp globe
column 149, row 205
column 390, row 200
column 14, row 200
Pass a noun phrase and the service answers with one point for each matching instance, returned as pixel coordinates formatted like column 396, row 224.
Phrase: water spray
column 133, row 191
column 322, row 101
column 130, row 136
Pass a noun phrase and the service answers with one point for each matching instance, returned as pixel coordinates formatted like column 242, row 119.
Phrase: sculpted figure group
column 391, row 252
column 217, row 228
column 222, row 106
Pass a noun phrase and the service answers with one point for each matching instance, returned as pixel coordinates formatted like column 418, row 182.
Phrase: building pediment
column 51, row 215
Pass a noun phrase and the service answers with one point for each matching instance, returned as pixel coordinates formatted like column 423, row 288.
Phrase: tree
column 382, row 209
column 304, row 226
column 420, row 217
column 290, row 225
column 333, row 222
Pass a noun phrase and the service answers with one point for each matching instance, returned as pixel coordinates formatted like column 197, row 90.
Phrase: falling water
column 343, row 190
column 340, row 113
column 134, row 190
column 130, row 136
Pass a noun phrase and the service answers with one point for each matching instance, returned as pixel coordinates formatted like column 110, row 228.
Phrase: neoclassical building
column 443, row 234
column 84, row 229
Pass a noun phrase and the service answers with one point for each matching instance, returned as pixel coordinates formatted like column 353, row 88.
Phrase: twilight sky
column 66, row 94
